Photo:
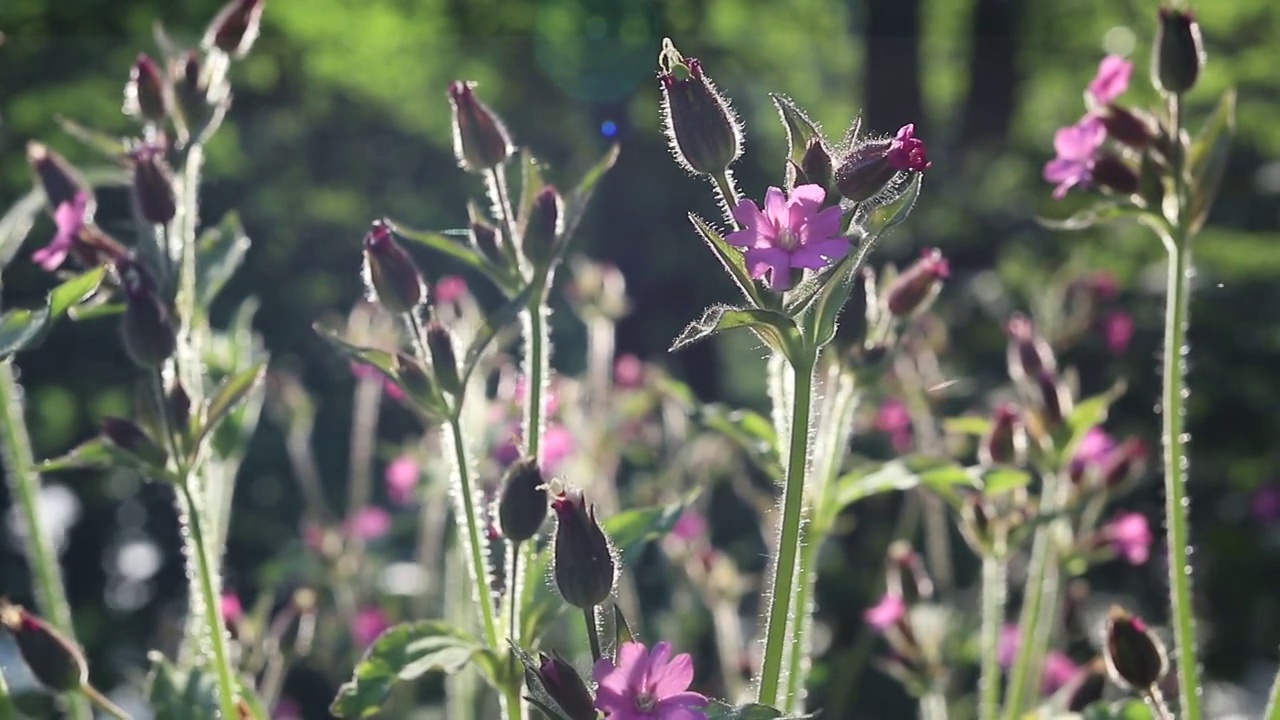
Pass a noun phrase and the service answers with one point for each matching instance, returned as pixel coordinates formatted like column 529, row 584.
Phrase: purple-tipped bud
column 1006, row 441
column 146, row 95
column 1054, row 399
column 523, row 504
column 584, row 563
column 1134, row 128
column 53, row 659
column 704, row 134
column 1178, row 53
column 444, row 360
column 235, row 27
column 149, row 325
column 545, row 227
column 1114, row 174
column 918, row 285
column 480, row 140
column 390, row 274
column 872, row 166
column 564, row 686
column 1136, row 658
column 816, row 166
column 126, row 435
column 1028, row 353
column 153, row 185
column 484, row 236
column 61, row 182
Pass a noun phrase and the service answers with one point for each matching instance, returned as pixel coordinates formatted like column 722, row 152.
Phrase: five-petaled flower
column 648, row 685
column 1077, row 147
column 788, row 234
column 69, row 217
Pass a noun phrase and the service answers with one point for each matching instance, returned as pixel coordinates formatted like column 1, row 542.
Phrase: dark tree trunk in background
column 993, row 76
column 893, row 96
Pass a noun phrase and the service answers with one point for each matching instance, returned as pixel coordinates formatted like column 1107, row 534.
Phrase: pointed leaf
column 403, row 653
column 111, row 146
column 381, row 360
column 222, row 250
column 630, row 530
column 17, row 223
column 493, row 324
column 20, row 329
column 448, row 246
column 800, row 129
column 177, row 694
column 1207, row 160
column 886, row 216
column 821, row 321
column 730, row 257
column 530, row 183
column 1000, row 480
column 1088, row 413
column 718, row 710
column 777, row 330
column 74, row 291
column 622, row 633
column 229, row 394
column 1099, row 213
column 575, row 204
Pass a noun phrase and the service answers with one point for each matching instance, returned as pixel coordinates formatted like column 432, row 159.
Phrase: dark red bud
column 153, row 185
column 1054, row 399
column 149, row 325
column 1006, row 441
column 1135, row 657
column 544, row 230
column 480, row 140
column 484, row 236
column 913, row 290
column 565, row 687
column 53, row 659
column 1028, row 353
column 59, row 180
column 523, row 505
column 1123, row 463
column 584, row 564
column 235, row 27
column 1131, row 127
column 147, row 92
column 866, row 171
column 1178, row 52
column 1087, row 687
column 390, row 274
column 704, row 134
column 128, row 436
column 444, row 361
column 1115, row 175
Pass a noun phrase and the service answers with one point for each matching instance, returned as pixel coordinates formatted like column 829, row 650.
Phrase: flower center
column 645, row 702
column 787, row 239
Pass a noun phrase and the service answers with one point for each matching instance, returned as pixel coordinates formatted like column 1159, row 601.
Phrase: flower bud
column 564, row 686
column 484, row 236
column 179, row 403
column 235, row 27
column 480, row 140
column 443, row 358
column 149, row 326
column 1114, row 174
column 1054, row 399
column 1028, row 353
column 1006, row 441
column 153, row 185
column 201, row 94
column 915, row 288
column 907, row 574
column 146, row 95
column 58, row 179
column 1131, row 127
column 1178, row 52
column 978, row 523
column 704, row 134
column 872, row 166
column 584, row 563
column 53, row 659
column 1123, row 463
column 544, row 228
column 126, row 435
column 816, row 166
column 415, row 379
column 1087, row 687
column 389, row 273
column 1136, row 658
column 523, row 504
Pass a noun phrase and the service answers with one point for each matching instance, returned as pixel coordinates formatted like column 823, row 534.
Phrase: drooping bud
column 480, row 140
column 235, row 27
column 564, row 686
column 389, row 273
column 484, row 236
column 149, row 325
column 1028, row 353
column 1006, row 441
column 1054, row 398
column 523, row 504
column 1132, row 127
column 545, row 227
column 60, row 182
column 704, row 134
column 153, row 185
column 444, row 360
column 53, row 659
column 1114, row 174
column 918, row 285
column 816, row 165
column 146, row 95
column 126, row 435
column 1136, row 658
column 584, row 563
column 872, row 166
column 1178, row 52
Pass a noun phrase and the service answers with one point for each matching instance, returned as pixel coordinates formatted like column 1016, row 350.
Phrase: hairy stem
column 727, row 194
column 24, row 487
column 1273, row 704
column 593, row 633
column 103, row 703
column 1155, row 701
column 993, row 599
column 221, row 659
column 781, row 590
column 475, row 542
column 1042, row 574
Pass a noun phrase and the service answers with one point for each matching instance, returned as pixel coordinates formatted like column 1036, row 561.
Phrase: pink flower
column 648, row 685
column 885, row 614
column 1077, row 146
column 1094, row 449
column 367, row 625
column 789, row 234
column 287, row 709
column 689, row 527
column 1130, row 536
column 1117, row 330
column 894, row 419
column 557, row 444
column 1058, row 671
column 365, row 371
column 1264, row 505
column 401, row 477
column 450, row 289
column 69, row 218
column 1111, row 81
column 550, row 398
column 368, row 523
column 1103, row 285
column 628, row 372
column 231, row 608
column 907, row 152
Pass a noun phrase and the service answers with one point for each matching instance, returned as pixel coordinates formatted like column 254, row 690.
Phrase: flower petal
column 1112, row 79
column 671, row 678
column 682, row 706
column 775, row 208
column 823, row 226
column 747, row 215
column 775, row 260
column 1079, row 141
column 1060, row 170
column 817, row 255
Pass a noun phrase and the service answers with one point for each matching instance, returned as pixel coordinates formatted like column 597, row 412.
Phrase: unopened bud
column 1178, row 53
column 179, row 403
column 918, row 285
column 816, row 165
column 1006, row 441
column 390, row 274
column 235, row 27
column 523, row 504
column 480, row 140
column 545, row 227
column 584, row 563
column 1087, row 687
column 201, row 94
column 146, row 95
column 1131, row 127
column 1136, row 658
column 1028, row 353
column 58, row 179
column 149, row 327
column 1115, row 175
column 484, row 236
column 1054, row 399
column 153, row 185
column 128, row 436
column 444, row 360
column 415, row 379
column 704, row 134
column 53, row 659
column 872, row 166
column 907, row 574
column 564, row 686
column 1123, row 463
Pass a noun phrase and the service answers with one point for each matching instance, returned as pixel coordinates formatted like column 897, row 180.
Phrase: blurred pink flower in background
column 1111, row 80
column 628, row 372
column 368, row 523
column 231, row 608
column 1129, row 535
column 450, row 289
column 364, row 371
column 648, row 685
column 367, row 625
column 401, row 478
column 557, row 444
column 1058, row 668
column 894, row 420
column 1264, row 504
column 1117, row 331
column 287, row 709
column 885, row 614
column 1093, row 450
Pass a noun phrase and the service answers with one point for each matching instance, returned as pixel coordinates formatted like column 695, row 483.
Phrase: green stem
column 728, row 195
column 24, row 487
column 933, row 706
column 993, row 599
column 515, row 586
column 593, row 633
column 535, row 373
column 1155, row 700
column 217, row 634
column 103, row 703
column 780, row 596
column 1273, row 704
column 475, row 544
column 1041, row 573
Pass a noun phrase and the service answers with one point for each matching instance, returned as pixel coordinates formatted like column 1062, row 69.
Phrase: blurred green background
column 340, row 116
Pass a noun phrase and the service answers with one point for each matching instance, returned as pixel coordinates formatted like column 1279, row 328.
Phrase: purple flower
column 628, row 372
column 1111, row 80
column 648, row 685
column 231, row 608
column 885, row 614
column 1117, row 331
column 401, row 477
column 69, row 217
column 287, row 709
column 788, row 234
column 1007, row 648
column 1094, row 449
column 1058, row 671
column 1077, row 146
column 450, row 289
column 894, row 419
column 1264, row 505
column 367, row 625
column 1130, row 536
column 368, row 523
column 907, row 152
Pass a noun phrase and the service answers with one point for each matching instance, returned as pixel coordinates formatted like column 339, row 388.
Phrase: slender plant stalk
column 475, row 546
column 7, row 710
column 24, row 486
column 221, row 659
column 593, row 633
column 103, row 703
column 728, row 195
column 1273, row 704
column 933, row 706
column 994, row 590
column 780, row 596
column 1155, row 700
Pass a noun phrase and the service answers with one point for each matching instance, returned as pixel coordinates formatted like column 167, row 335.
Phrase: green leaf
column 1099, row 213
column 860, row 484
column 830, row 301
column 1000, row 480
column 776, row 330
column 17, row 223
column 750, row 430
column 403, row 653
column 630, row 530
column 383, row 361
column 530, row 183
column 1207, row 160
column 891, row 214
column 176, row 694
column 449, row 247
column 100, row 453
column 111, row 146
column 94, row 311
column 975, row 425
column 575, row 205
column 731, row 258
column 493, row 324
column 622, row 633
column 222, row 250
column 74, row 291
column 232, row 391
column 800, row 129
column 1088, row 413
column 718, row 710
column 23, row 328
